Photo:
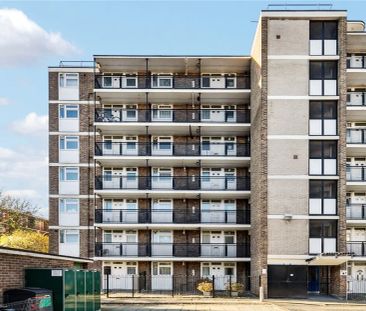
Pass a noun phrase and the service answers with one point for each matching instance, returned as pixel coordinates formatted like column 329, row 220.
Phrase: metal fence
column 116, row 286
column 356, row 289
column 30, row 304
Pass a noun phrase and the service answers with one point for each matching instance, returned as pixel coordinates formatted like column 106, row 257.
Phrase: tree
column 15, row 213
column 26, row 239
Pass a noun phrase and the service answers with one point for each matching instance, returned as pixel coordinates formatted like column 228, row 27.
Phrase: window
column 323, row 118
column 129, row 81
column 323, row 157
column 69, row 142
column 323, row 228
column 69, row 174
column 162, row 81
column 69, row 236
column 323, row 197
column 69, row 80
column 323, row 37
column 69, row 112
column 323, row 78
column 69, row 206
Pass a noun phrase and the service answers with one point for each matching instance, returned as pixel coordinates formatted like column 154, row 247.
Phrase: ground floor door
column 287, row 281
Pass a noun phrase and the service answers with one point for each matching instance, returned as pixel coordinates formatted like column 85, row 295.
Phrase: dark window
column 322, row 149
column 323, row 70
column 323, row 110
column 325, row 189
column 323, row 30
column 323, row 228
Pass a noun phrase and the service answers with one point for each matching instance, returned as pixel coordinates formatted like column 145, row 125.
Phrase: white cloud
column 24, row 174
column 32, row 124
column 4, row 101
column 22, row 40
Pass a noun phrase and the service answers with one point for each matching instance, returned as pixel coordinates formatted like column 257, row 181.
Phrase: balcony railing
column 229, row 183
column 356, row 98
column 172, row 149
column 356, row 211
column 357, row 248
column 356, row 62
column 177, row 81
column 356, row 136
column 356, row 173
column 117, row 115
column 159, row 216
column 214, row 250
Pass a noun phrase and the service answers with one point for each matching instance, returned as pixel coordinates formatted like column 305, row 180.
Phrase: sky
column 38, row 34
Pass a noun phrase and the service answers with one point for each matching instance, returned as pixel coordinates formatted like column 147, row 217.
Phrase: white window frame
column 63, row 174
column 159, row 77
column 64, row 77
column 64, row 203
column 63, row 109
column 65, row 233
column 67, row 139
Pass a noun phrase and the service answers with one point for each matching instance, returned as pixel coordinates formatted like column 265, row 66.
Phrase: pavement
column 226, row 304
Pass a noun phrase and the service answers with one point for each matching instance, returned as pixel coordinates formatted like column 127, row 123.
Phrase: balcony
column 125, row 149
column 176, row 81
column 357, row 248
column 168, row 183
column 117, row 115
column 356, row 69
column 356, row 142
column 356, row 178
column 167, row 250
column 356, row 106
column 166, row 216
column 356, row 213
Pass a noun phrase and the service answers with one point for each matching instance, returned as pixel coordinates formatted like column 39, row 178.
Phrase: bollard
column 261, row 294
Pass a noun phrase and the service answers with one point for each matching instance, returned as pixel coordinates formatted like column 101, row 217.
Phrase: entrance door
column 219, row 272
column 162, row 211
column 123, row 276
column 162, row 276
column 313, row 280
column 287, row 281
column 213, row 179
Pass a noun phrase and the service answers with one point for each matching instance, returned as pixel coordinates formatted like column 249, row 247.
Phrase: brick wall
column 12, row 268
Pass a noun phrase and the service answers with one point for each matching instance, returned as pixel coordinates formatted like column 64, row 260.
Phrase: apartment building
column 240, row 168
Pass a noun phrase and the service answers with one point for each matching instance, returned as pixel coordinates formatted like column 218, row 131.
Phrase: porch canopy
column 329, row 259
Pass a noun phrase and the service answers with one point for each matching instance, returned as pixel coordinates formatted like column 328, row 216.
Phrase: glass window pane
column 62, row 143
column 315, row 189
column 329, row 110
column 71, row 113
column 205, row 82
column 315, row 228
column 330, row 30
column 71, row 82
column 329, row 149
column 205, row 271
column 330, row 70
column 72, row 174
column 165, row 82
column 316, row 70
column 130, row 82
column 330, row 189
column 62, row 112
column 315, row 110
column 315, row 149
column 316, row 30
column 72, row 143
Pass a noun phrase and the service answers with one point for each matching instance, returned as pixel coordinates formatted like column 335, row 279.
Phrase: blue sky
column 40, row 34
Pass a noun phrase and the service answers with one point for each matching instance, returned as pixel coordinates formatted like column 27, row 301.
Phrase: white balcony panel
column 161, row 216
column 330, row 166
column 316, row 87
column 162, row 249
column 330, row 127
column 130, row 216
column 69, row 249
column 330, row 87
column 68, row 93
column 330, row 245
column 69, row 156
column 316, row 47
column 315, row 127
column 130, row 250
column 315, row 245
column 69, row 219
column 315, row 166
column 330, row 206
column 315, row 206
column 69, row 187
column 68, row 125
column 330, row 47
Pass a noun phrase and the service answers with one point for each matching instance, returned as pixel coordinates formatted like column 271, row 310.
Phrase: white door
column 212, row 244
column 213, row 179
column 162, row 243
column 162, row 178
column 162, row 276
column 217, row 82
column 162, row 211
column 122, row 276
